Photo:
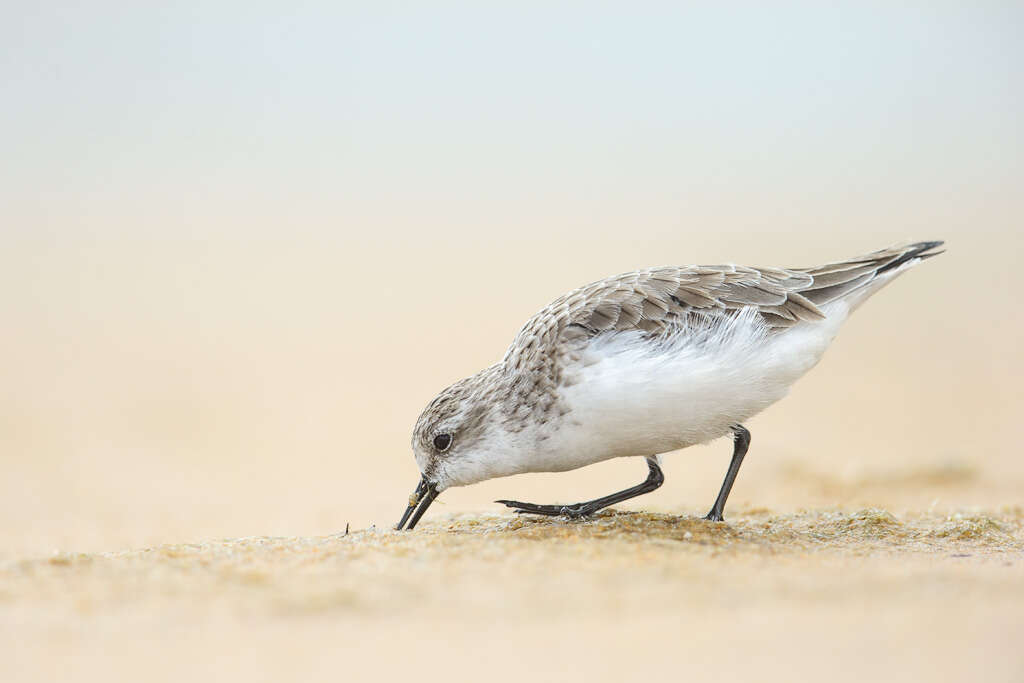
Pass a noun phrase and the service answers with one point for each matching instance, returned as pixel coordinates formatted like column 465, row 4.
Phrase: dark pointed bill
column 419, row 501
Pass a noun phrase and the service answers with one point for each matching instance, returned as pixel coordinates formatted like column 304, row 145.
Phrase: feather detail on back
column 659, row 299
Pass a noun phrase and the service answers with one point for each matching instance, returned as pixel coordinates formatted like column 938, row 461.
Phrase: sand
column 833, row 594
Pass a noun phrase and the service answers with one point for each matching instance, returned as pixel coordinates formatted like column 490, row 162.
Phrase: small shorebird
column 640, row 364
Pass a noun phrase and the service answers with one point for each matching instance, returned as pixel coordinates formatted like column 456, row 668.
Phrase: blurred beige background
column 242, row 247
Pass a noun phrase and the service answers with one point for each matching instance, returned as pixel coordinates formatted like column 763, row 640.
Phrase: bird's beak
column 419, row 501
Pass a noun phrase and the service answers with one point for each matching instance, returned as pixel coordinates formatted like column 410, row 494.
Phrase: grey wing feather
column 834, row 281
column 654, row 299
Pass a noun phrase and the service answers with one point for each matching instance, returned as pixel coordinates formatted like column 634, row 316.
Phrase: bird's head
column 460, row 438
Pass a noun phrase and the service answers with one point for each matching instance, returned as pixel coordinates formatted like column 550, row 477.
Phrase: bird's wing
column 652, row 300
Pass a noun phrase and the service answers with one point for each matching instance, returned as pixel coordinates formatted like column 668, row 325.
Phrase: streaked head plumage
column 453, row 429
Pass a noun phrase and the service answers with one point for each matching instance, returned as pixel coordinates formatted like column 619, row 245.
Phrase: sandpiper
column 640, row 364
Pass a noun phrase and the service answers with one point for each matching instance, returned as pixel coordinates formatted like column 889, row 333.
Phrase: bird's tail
column 854, row 280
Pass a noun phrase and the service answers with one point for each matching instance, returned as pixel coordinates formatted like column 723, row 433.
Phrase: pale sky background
column 241, row 245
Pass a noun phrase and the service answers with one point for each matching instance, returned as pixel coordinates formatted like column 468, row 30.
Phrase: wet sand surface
column 840, row 595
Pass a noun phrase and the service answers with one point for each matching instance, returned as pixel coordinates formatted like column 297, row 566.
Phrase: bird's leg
column 740, row 441
column 655, row 478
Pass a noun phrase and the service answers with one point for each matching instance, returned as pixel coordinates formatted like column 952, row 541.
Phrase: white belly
column 632, row 400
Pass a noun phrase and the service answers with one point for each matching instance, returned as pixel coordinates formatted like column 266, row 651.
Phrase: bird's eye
column 442, row 441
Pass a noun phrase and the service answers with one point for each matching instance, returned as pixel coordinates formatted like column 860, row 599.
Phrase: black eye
column 442, row 441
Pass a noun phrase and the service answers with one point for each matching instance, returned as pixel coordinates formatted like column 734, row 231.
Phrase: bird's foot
column 574, row 511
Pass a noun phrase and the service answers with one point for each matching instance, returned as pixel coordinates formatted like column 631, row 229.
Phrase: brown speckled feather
column 652, row 300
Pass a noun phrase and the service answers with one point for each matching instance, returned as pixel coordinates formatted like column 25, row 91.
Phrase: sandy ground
column 823, row 593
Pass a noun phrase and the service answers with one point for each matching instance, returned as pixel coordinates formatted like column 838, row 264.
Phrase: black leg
column 655, row 478
column 741, row 442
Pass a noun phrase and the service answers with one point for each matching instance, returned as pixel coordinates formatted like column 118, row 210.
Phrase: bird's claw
column 575, row 511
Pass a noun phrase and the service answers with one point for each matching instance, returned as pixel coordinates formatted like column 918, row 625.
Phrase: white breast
column 632, row 398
